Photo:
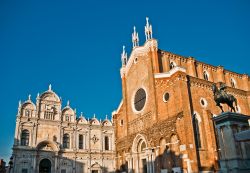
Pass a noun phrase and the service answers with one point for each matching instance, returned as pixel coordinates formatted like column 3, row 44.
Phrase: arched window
column 205, row 75
column 232, row 81
column 25, row 138
column 80, row 141
column 66, row 140
column 27, row 113
column 172, row 65
column 106, row 141
column 196, row 124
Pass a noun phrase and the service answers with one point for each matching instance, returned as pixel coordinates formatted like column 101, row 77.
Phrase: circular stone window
column 166, row 97
column 140, row 99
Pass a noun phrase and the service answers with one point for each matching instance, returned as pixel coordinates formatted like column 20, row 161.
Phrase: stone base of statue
column 234, row 154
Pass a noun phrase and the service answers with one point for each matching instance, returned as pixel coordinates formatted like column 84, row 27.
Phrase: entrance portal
column 45, row 166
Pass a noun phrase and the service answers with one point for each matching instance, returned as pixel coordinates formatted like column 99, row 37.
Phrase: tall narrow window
column 232, row 83
column 106, row 141
column 196, row 124
column 80, row 141
column 205, row 75
column 66, row 140
column 25, row 138
column 27, row 113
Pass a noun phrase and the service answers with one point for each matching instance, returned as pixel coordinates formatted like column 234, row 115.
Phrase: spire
column 135, row 38
column 148, row 30
column 106, row 117
column 94, row 116
column 50, row 87
column 68, row 103
column 124, row 56
column 29, row 97
column 81, row 115
column 38, row 95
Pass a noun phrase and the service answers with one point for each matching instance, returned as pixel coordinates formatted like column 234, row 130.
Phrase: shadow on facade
column 44, row 159
column 167, row 161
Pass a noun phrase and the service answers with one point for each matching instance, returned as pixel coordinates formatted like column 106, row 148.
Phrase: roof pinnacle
column 124, row 56
column 50, row 87
column 29, row 97
column 148, row 30
column 135, row 38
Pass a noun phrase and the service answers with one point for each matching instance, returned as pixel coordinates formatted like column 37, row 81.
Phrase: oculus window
column 140, row 99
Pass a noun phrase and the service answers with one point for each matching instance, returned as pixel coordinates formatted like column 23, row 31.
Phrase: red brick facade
column 176, row 131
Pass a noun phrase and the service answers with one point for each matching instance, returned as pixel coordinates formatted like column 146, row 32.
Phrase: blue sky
column 76, row 46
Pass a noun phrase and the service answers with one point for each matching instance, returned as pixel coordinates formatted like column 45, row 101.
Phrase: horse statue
column 220, row 96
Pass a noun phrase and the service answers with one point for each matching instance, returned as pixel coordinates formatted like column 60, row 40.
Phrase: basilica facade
column 164, row 121
column 51, row 139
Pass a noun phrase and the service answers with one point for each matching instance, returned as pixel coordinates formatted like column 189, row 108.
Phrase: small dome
column 94, row 121
column 82, row 120
column 68, row 110
column 106, row 123
column 29, row 105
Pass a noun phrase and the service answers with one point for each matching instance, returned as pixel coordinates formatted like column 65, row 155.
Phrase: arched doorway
column 140, row 161
column 45, row 166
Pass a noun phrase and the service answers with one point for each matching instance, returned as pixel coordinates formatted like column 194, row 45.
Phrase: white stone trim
column 170, row 73
column 141, row 50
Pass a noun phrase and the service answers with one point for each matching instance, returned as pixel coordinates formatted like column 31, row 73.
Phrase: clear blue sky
column 76, row 46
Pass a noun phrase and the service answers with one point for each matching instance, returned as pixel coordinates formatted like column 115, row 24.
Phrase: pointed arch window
column 66, row 140
column 197, row 130
column 172, row 65
column 205, row 75
column 25, row 138
column 106, row 143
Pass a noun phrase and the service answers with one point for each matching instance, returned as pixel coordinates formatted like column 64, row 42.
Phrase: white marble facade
column 49, row 139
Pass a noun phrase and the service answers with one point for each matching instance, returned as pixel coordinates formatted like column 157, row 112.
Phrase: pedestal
column 232, row 155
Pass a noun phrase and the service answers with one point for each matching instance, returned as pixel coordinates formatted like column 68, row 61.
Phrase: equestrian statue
column 221, row 96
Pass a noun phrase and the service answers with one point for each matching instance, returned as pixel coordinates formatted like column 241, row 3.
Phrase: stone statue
column 221, row 96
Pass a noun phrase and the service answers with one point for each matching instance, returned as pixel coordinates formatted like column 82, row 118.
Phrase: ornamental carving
column 140, row 123
column 164, row 128
column 94, row 139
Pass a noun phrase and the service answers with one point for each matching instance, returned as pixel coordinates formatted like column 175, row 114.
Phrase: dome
column 50, row 95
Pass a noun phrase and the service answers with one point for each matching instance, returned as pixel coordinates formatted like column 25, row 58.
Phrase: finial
column 94, row 115
column 81, row 115
column 135, row 38
column 50, row 87
column 29, row 97
column 106, row 117
column 19, row 103
column 38, row 95
column 75, row 110
column 148, row 30
column 100, row 120
column 124, row 56
column 68, row 103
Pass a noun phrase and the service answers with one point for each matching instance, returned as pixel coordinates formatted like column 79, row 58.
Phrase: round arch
column 45, row 166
